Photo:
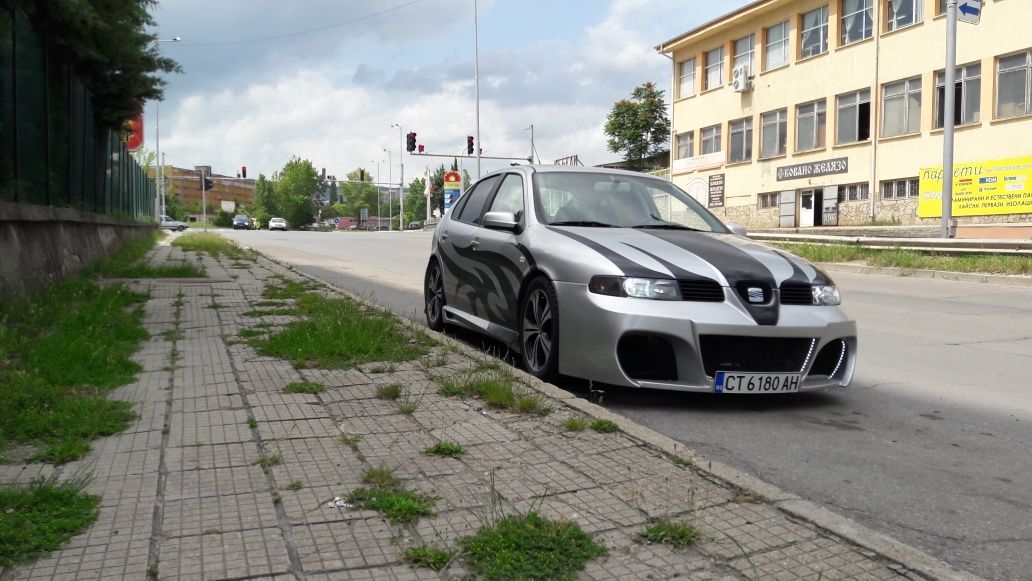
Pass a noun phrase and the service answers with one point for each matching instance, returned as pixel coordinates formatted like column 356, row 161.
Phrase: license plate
column 733, row 382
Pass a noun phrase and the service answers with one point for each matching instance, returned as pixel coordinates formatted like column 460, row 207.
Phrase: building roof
column 668, row 46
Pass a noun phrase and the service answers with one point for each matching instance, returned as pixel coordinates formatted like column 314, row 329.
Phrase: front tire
column 539, row 330
column 433, row 296
column 181, row 228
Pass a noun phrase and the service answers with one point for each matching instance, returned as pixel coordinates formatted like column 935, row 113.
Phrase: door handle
column 444, row 236
column 475, row 244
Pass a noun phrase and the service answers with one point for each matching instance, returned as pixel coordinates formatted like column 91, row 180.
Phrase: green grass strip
column 128, row 263
column 914, row 259
column 214, row 245
column 38, row 518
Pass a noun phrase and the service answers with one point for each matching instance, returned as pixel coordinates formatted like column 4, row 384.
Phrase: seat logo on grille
column 755, row 294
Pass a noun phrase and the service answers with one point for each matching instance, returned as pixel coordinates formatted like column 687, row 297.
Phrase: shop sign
column 982, row 188
column 698, row 162
column 813, row 169
column 716, row 190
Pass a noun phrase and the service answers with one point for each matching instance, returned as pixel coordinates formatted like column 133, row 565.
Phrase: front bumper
column 591, row 327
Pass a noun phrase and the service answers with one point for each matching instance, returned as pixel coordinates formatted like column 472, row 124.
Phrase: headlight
column 826, row 294
column 663, row 289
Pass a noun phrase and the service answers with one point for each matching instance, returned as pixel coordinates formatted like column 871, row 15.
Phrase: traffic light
column 469, row 145
column 243, row 172
column 410, row 143
column 361, row 175
column 208, row 184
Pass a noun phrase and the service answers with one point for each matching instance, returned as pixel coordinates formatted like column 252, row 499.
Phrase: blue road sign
column 969, row 10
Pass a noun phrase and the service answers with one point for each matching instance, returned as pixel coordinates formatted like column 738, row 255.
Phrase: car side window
column 509, row 197
column 471, row 211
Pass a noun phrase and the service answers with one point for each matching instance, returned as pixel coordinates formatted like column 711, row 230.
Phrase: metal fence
column 51, row 151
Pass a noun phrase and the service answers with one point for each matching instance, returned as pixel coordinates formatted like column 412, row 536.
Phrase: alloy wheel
column 537, row 330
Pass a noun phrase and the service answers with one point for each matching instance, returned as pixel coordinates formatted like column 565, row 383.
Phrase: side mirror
column 738, row 229
column 501, row 221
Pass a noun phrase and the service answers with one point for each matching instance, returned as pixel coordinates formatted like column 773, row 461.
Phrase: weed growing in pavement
column 575, row 424
column 669, row 532
column 304, row 387
column 39, row 517
column 285, row 288
column 449, row 449
column 276, row 498
column 350, row 440
column 497, row 388
column 432, row 362
column 214, row 245
column 152, row 572
column 173, row 335
column 251, row 333
column 604, row 426
column 407, row 407
column 128, row 263
column 529, row 547
column 269, row 460
column 429, row 557
column 386, row 495
column 276, row 303
column 532, row 404
column 390, row 391
column 295, row 485
column 285, row 312
column 389, row 368
column 252, row 423
column 740, row 496
column 60, row 353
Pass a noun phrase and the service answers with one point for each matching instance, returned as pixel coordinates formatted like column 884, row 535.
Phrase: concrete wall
column 40, row 244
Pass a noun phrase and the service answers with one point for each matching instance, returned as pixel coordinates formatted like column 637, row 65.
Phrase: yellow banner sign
column 984, row 188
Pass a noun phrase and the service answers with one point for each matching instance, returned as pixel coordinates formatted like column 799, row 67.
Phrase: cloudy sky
column 264, row 80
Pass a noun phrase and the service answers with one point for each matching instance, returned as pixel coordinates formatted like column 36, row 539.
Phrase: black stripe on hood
column 737, row 266
column 626, row 265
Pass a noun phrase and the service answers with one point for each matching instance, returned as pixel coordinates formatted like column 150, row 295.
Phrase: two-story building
column 830, row 112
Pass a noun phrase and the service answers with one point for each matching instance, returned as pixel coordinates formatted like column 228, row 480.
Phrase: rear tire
column 181, row 228
column 433, row 296
column 539, row 330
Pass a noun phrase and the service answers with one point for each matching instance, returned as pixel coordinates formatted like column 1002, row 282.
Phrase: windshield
column 617, row 200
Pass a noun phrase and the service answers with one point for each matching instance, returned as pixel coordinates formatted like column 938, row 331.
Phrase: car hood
column 728, row 259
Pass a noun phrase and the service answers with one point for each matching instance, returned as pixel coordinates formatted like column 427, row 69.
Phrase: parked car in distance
column 415, row 225
column 242, row 222
column 168, row 223
column 625, row 279
column 277, row 224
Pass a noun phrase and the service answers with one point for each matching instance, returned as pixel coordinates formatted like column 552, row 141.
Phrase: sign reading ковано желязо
column 983, row 188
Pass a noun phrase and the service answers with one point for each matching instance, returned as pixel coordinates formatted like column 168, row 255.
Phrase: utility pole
column 162, row 167
column 947, row 122
column 204, row 199
column 532, row 143
column 390, row 197
column 401, row 179
column 476, row 77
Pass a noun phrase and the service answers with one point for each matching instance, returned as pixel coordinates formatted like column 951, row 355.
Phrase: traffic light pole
column 478, row 157
column 949, row 107
column 476, row 77
column 204, row 200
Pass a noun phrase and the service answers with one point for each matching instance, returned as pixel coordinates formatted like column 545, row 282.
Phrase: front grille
column 703, row 290
column 754, row 292
column 648, row 357
column 794, row 293
column 736, row 353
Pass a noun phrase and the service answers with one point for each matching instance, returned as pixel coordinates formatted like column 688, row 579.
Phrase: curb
column 998, row 279
column 910, row 558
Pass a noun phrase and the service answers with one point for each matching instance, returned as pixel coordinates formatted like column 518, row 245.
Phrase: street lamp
column 401, row 178
column 377, row 194
column 159, row 174
column 390, row 210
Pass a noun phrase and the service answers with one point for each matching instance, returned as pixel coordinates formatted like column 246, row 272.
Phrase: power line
column 303, row 32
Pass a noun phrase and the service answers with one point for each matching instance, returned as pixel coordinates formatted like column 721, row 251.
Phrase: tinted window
column 476, row 199
column 509, row 197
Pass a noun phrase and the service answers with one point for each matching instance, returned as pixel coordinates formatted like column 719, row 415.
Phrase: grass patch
column 270, row 303
column 529, row 547
column 575, row 424
column 285, row 288
column 386, row 495
column 496, row 387
column 673, row 533
column 904, row 258
column 269, row 460
column 604, row 426
column 389, row 368
column 407, row 407
column 432, row 362
column 304, row 387
column 350, row 440
column 430, row 557
column 390, row 392
column 37, row 518
column 336, row 333
column 286, row 312
column 251, row 333
column 252, row 423
column 532, row 404
column 380, row 477
column 213, row 245
column 449, row 449
column 60, row 353
column 128, row 263
column 295, row 485
column 173, row 335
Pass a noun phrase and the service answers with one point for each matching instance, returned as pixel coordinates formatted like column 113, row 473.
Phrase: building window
column 777, row 45
column 854, row 117
column 686, row 78
column 940, row 7
column 901, row 107
column 1013, row 82
column 774, row 133
column 967, row 91
column 854, row 192
column 710, row 140
column 766, row 201
column 744, row 50
column 900, row 189
column 857, row 20
column 685, row 144
column 815, row 32
column 740, row 140
column 811, row 125
column 902, row 13
column 715, row 68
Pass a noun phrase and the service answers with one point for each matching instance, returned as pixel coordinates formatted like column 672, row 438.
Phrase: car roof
column 542, row 168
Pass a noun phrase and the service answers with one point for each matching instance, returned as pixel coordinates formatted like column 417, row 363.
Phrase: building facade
column 798, row 113
column 185, row 184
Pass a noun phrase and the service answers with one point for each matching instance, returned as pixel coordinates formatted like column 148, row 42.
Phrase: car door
column 500, row 252
column 459, row 260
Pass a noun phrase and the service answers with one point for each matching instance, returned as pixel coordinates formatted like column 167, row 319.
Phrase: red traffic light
column 243, row 171
column 410, row 144
column 469, row 145
column 421, row 149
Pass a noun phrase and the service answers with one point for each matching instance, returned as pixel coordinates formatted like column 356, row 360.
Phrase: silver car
column 624, row 279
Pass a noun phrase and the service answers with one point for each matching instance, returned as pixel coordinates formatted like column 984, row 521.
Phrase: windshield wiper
column 589, row 223
column 667, row 226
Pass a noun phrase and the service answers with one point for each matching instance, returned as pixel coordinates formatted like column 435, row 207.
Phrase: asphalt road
column 932, row 444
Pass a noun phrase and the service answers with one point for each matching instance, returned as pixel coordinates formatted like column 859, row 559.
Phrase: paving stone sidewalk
column 183, row 497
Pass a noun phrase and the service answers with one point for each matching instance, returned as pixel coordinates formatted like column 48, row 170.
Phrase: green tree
column 357, row 193
column 638, row 127
column 294, row 189
column 415, row 202
column 265, row 200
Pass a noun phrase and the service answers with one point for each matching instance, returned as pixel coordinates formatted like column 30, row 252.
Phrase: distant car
column 168, row 223
column 625, row 279
column 278, row 224
column 242, row 222
column 415, row 225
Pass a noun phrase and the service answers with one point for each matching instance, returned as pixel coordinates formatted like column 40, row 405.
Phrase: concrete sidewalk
column 183, row 497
